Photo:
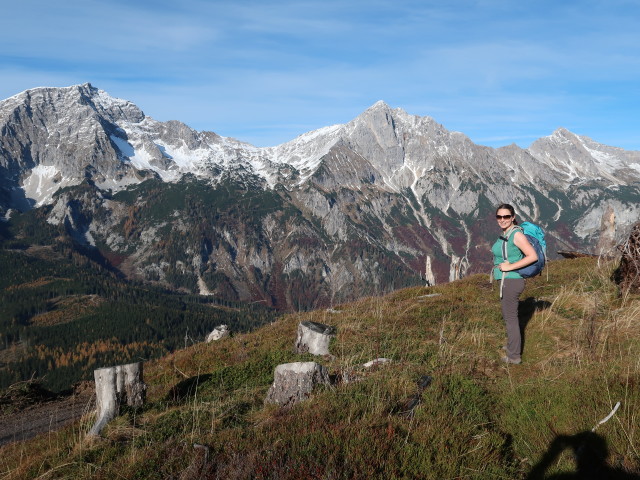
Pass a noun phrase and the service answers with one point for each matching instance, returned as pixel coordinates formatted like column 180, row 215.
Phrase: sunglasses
column 503, row 217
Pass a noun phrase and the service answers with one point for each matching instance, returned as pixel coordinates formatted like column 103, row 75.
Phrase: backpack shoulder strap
column 505, row 240
column 516, row 228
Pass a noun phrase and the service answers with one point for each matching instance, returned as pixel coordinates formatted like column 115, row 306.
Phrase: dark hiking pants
column 511, row 291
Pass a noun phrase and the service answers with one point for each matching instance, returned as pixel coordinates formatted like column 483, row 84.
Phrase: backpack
column 535, row 235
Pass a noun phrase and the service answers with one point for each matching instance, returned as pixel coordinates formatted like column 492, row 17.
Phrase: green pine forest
column 64, row 314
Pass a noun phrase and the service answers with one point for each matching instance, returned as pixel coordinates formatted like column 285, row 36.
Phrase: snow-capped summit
column 56, row 137
column 352, row 204
column 581, row 159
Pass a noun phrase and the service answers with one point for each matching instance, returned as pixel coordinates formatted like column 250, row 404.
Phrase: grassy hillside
column 478, row 418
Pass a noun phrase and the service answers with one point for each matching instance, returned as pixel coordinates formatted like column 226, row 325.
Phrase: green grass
column 478, row 419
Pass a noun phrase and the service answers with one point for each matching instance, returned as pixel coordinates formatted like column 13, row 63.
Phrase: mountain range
column 384, row 201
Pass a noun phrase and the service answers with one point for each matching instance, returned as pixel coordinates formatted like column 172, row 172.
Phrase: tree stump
column 627, row 275
column 115, row 386
column 294, row 382
column 219, row 332
column 314, row 338
column 131, row 389
column 106, row 398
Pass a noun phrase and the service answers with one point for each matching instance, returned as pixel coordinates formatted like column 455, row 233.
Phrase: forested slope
column 63, row 313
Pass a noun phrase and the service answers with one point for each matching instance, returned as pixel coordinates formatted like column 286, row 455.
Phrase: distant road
column 44, row 417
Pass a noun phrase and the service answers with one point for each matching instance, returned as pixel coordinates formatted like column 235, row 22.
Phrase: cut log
column 116, row 386
column 294, row 382
column 314, row 338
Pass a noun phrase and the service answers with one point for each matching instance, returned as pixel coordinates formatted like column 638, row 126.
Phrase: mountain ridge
column 345, row 206
column 188, row 151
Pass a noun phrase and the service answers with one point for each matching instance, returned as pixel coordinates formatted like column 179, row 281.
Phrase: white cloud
column 268, row 69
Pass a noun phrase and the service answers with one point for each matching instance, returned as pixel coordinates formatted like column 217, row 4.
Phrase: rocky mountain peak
column 73, row 100
column 581, row 159
column 56, row 137
column 67, row 130
column 342, row 206
column 561, row 134
column 381, row 116
column 112, row 108
column 379, row 105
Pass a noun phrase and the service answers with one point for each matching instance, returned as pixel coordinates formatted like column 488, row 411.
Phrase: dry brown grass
column 479, row 418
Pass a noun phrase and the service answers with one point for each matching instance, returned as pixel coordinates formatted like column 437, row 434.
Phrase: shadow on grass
column 187, row 388
column 526, row 309
column 590, row 453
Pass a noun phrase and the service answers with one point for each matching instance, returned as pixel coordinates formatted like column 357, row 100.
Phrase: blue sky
column 500, row 71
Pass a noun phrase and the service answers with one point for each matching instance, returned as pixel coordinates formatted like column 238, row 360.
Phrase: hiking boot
column 515, row 361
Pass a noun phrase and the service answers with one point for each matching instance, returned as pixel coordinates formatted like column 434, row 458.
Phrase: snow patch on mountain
column 305, row 152
column 43, row 181
column 105, row 100
column 604, row 158
column 402, row 151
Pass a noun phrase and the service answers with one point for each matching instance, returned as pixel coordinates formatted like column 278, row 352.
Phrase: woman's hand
column 504, row 267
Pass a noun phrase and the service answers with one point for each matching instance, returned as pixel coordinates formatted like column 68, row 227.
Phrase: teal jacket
column 513, row 255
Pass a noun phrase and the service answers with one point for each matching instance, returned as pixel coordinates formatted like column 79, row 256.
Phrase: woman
column 511, row 252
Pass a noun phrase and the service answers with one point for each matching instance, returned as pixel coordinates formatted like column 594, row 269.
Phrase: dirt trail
column 44, row 417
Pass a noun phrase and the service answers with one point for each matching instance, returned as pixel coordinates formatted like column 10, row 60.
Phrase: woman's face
column 504, row 218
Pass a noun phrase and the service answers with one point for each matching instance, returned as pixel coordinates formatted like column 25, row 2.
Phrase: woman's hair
column 506, row 206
